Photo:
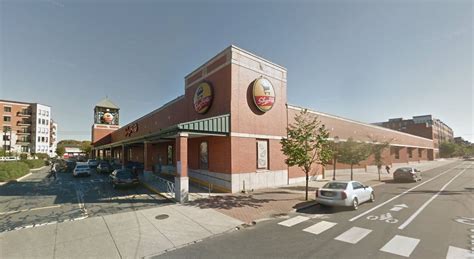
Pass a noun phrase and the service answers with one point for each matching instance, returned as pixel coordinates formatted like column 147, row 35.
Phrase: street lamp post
column 336, row 141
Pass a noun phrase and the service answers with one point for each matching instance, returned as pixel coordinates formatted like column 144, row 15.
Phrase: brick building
column 425, row 126
column 27, row 128
column 226, row 129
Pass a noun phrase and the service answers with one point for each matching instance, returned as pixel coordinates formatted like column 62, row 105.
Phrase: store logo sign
column 263, row 94
column 203, row 98
column 130, row 129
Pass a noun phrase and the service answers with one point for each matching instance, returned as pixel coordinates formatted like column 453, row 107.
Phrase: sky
column 363, row 60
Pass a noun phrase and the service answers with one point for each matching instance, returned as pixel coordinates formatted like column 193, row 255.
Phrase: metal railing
column 164, row 185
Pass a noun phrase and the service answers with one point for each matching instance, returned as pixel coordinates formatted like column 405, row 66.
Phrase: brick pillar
column 124, row 154
column 147, row 159
column 181, row 180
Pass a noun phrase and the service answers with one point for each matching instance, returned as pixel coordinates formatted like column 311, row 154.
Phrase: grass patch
column 36, row 163
column 12, row 170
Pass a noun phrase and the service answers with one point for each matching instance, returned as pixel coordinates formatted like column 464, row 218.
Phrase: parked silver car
column 407, row 174
column 344, row 193
column 81, row 168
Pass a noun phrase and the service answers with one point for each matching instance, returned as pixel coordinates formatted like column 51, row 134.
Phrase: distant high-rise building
column 424, row 126
column 26, row 128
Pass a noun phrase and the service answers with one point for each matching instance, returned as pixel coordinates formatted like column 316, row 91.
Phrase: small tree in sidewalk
column 352, row 153
column 306, row 144
column 377, row 149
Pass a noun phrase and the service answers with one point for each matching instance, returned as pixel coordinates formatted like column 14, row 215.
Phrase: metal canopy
column 214, row 126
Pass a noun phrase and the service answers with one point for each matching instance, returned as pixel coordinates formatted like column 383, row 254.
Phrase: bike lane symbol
column 387, row 217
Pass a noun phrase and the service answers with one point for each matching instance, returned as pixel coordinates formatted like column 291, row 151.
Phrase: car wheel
column 372, row 197
column 355, row 204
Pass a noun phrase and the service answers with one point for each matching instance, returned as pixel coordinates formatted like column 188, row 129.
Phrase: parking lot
column 37, row 200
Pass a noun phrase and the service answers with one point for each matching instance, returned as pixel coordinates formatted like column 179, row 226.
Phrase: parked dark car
column 407, row 174
column 123, row 177
column 104, row 167
column 137, row 165
column 70, row 165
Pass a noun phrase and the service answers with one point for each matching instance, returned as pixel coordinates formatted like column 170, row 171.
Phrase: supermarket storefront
column 226, row 129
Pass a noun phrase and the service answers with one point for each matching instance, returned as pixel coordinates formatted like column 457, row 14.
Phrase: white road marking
column 412, row 217
column 33, row 209
column 403, row 193
column 458, row 253
column 398, row 207
column 465, row 220
column 320, row 227
column 293, row 221
column 400, row 245
column 353, row 235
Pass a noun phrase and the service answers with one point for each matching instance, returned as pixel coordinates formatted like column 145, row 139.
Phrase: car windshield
column 404, row 170
column 335, row 185
column 124, row 174
column 82, row 167
column 91, row 160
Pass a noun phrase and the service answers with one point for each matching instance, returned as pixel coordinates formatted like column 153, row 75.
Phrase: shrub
column 23, row 156
column 12, row 170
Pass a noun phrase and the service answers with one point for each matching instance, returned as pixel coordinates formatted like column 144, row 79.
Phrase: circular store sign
column 263, row 94
column 202, row 98
column 108, row 118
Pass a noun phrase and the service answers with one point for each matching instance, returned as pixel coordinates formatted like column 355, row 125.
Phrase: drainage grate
column 162, row 216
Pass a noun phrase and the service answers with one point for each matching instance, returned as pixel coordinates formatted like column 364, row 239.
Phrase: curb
column 152, row 189
column 310, row 204
column 21, row 178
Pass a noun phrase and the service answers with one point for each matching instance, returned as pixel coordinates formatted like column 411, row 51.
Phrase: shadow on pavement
column 229, row 202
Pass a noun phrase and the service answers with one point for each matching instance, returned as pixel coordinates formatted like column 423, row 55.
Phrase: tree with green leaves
column 86, row 147
column 352, row 153
column 377, row 149
column 60, row 151
column 306, row 144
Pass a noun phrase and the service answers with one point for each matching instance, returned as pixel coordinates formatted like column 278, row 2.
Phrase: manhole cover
column 161, row 216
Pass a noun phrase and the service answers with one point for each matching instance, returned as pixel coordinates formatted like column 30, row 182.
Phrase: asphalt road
column 37, row 200
column 434, row 219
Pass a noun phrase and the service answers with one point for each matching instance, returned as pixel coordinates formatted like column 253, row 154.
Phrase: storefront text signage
column 130, row 129
column 202, row 98
column 263, row 94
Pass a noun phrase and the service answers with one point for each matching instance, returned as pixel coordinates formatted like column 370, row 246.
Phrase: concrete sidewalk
column 267, row 203
column 134, row 234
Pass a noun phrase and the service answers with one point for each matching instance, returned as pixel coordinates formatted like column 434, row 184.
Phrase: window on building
column 7, row 109
column 25, row 149
column 6, row 128
column 7, row 118
column 170, row 155
column 262, row 154
column 395, row 151
column 203, row 156
column 39, row 139
column 42, row 139
column 410, row 153
column 7, row 147
column 6, row 137
column 420, row 152
column 39, row 121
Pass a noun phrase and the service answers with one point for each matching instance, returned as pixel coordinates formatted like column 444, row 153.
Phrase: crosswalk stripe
column 293, row 221
column 400, row 245
column 353, row 235
column 320, row 227
column 458, row 253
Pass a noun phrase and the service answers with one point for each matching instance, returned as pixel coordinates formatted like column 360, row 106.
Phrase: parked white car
column 344, row 193
column 81, row 168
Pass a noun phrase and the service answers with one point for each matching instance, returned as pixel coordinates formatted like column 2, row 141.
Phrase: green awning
column 219, row 125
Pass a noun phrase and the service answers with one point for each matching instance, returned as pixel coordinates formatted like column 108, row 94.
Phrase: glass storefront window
column 262, row 154
column 170, row 155
column 203, row 156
